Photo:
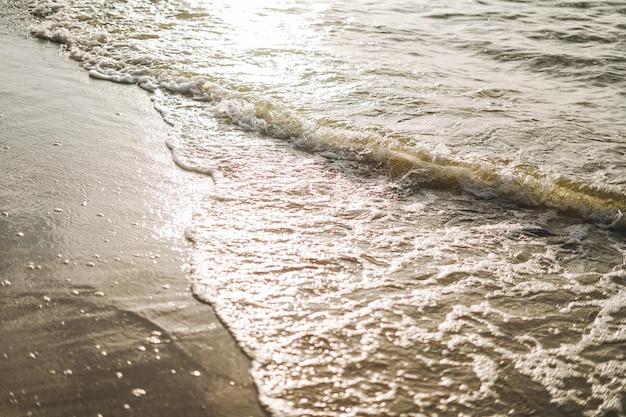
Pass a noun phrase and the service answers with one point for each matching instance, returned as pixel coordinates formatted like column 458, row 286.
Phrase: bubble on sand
column 20, row 234
column 6, row 283
column 119, row 375
column 58, row 210
column 138, row 392
column 91, row 264
column 141, row 348
column 46, row 298
column 194, row 373
column 75, row 292
column 155, row 338
column 99, row 294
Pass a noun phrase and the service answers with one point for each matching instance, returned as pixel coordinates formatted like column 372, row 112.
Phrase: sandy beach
column 96, row 317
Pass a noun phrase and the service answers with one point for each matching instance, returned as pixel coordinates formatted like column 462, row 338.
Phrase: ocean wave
column 416, row 165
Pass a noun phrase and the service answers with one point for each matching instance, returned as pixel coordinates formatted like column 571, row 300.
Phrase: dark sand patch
column 73, row 356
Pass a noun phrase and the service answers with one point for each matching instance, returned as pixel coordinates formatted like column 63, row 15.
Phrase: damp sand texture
column 96, row 316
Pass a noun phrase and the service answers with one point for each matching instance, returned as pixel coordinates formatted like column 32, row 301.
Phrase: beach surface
column 96, row 316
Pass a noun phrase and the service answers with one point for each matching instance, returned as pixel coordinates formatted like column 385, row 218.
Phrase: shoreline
column 97, row 314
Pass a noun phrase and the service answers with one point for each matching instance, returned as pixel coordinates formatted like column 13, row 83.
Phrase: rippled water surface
column 410, row 209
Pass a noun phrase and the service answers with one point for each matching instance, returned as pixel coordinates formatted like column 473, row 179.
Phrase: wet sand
column 96, row 317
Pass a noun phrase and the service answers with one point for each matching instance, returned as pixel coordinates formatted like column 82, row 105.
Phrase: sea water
column 411, row 208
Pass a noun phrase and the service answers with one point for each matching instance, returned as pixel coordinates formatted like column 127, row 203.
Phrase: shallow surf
column 412, row 209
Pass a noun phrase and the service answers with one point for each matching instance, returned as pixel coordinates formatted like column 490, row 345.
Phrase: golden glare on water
column 259, row 24
column 267, row 44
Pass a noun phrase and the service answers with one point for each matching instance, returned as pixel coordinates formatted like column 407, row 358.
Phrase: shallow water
column 415, row 209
